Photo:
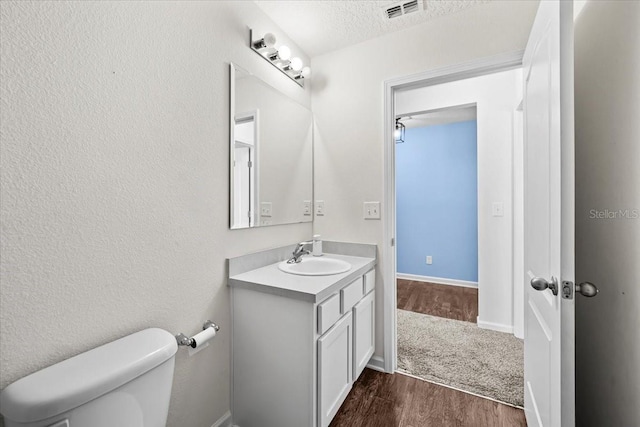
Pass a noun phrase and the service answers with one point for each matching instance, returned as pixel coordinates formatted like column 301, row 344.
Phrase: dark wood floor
column 452, row 302
column 383, row 400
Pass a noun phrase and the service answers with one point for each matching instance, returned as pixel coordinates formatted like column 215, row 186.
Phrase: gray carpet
column 461, row 355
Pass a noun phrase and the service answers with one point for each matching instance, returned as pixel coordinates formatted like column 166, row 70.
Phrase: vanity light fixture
column 267, row 41
column 399, row 132
column 280, row 58
column 304, row 73
column 282, row 54
column 296, row 64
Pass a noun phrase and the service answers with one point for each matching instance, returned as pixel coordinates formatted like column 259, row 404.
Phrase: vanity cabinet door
column 334, row 369
column 364, row 333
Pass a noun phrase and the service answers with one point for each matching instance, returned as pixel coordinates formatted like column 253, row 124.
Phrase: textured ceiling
column 320, row 26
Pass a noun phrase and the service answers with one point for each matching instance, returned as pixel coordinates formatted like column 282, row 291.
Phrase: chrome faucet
column 298, row 252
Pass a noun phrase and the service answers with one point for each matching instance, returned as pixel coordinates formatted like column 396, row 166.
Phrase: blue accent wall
column 437, row 201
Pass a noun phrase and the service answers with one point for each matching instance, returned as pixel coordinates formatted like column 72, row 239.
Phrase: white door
column 549, row 217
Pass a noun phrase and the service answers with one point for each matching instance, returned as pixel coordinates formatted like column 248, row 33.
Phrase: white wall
column 607, row 100
column 114, row 187
column 496, row 98
column 348, row 108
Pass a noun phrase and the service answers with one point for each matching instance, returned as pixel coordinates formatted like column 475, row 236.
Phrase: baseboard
column 376, row 363
column 495, row 326
column 224, row 421
column 438, row 280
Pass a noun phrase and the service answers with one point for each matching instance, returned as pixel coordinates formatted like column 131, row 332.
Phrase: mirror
column 271, row 155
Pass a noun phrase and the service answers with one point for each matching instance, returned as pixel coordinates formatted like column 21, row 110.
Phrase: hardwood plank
column 383, row 400
column 358, row 403
column 424, row 406
column 451, row 302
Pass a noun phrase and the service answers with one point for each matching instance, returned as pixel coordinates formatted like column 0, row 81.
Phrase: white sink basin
column 315, row 266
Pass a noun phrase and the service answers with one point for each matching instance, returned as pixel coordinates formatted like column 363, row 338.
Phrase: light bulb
column 284, row 53
column 296, row 64
column 269, row 40
column 396, row 134
column 306, row 72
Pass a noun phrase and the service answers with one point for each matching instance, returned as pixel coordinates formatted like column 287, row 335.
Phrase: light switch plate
column 320, row 207
column 306, row 208
column 265, row 209
column 497, row 209
column 371, row 210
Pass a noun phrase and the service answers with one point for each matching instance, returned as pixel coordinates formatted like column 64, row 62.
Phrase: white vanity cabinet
column 345, row 350
column 334, row 368
column 364, row 333
column 295, row 361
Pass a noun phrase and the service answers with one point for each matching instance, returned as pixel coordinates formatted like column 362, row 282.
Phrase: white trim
column 465, row 70
column 479, row 67
column 376, row 363
column 438, row 280
column 495, row 326
column 388, row 250
column 517, row 222
column 223, row 421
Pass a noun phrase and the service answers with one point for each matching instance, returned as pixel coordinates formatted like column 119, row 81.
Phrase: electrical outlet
column 265, row 209
column 320, row 207
column 306, row 207
column 371, row 210
column 429, row 260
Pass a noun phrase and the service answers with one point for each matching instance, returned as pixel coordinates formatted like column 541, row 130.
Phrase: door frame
column 388, row 265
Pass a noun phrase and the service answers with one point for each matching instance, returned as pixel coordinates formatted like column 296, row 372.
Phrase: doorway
column 436, row 199
column 496, row 95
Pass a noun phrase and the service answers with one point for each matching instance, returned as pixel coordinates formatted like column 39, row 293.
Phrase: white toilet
column 125, row 383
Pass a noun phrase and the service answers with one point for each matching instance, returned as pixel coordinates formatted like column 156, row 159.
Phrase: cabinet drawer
column 351, row 294
column 328, row 313
column 369, row 281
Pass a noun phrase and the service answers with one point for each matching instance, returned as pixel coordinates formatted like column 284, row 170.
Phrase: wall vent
column 402, row 8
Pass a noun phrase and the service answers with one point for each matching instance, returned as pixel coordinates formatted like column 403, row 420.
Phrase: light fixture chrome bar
column 298, row 78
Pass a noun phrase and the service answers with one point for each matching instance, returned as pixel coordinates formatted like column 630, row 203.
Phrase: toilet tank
column 125, row 383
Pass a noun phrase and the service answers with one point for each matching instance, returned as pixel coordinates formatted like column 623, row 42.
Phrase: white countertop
column 270, row 279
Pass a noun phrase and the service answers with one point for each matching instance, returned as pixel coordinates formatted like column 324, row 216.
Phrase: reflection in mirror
column 244, row 171
column 271, row 155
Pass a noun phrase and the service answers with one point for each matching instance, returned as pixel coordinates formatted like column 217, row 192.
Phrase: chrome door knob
column 587, row 289
column 540, row 284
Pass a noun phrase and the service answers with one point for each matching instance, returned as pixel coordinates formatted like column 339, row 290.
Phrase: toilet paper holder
column 182, row 339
